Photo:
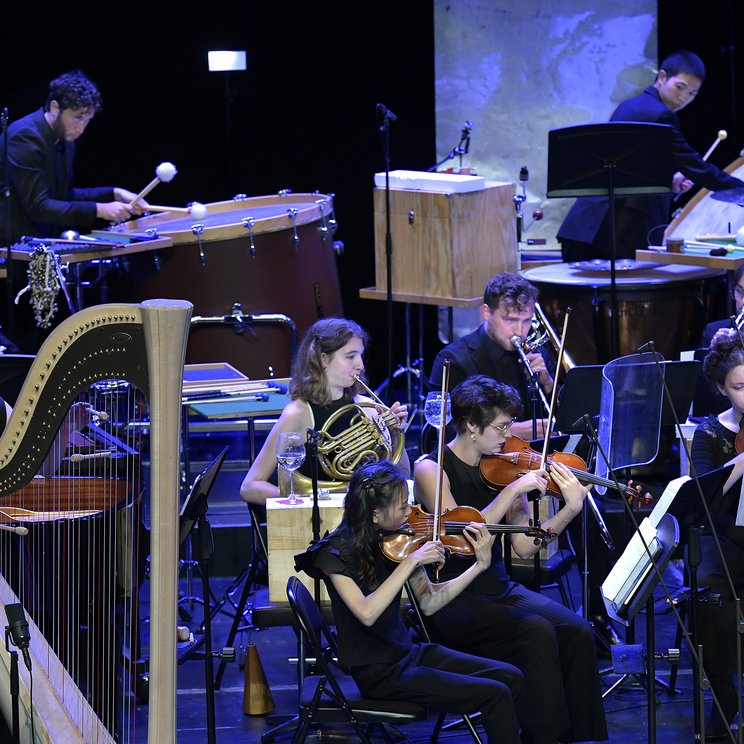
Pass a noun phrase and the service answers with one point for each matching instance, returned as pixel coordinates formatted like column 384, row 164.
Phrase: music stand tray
column 195, row 505
column 635, row 157
column 582, row 393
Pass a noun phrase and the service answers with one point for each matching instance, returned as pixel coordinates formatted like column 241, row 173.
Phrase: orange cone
column 257, row 699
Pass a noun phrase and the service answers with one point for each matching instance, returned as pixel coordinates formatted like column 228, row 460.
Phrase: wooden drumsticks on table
column 164, row 173
column 197, row 210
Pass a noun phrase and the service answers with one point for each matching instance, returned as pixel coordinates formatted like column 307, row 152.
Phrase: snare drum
column 666, row 304
column 704, row 215
column 269, row 254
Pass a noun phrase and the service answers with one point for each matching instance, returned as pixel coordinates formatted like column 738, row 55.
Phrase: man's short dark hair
column 687, row 63
column 73, row 90
column 511, row 289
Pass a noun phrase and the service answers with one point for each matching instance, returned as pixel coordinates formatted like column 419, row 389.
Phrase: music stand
column 644, row 579
column 613, row 159
column 194, row 511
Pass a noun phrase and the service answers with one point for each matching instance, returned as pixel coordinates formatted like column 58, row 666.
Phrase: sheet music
column 740, row 508
column 665, row 500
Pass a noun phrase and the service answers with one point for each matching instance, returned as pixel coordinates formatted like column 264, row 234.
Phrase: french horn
column 367, row 438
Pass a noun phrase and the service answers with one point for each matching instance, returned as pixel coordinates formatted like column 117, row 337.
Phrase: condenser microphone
column 18, row 627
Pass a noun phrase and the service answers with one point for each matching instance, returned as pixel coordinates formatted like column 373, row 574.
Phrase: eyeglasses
column 503, row 428
column 738, row 292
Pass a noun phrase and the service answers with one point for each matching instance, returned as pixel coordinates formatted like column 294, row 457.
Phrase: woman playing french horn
column 325, row 378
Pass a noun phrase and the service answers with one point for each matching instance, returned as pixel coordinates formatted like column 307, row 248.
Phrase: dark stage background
column 303, row 115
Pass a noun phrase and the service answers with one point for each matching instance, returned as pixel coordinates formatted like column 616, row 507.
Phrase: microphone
column 4, row 120
column 16, row 530
column 468, row 125
column 386, row 112
column 580, row 422
column 19, row 632
column 648, row 346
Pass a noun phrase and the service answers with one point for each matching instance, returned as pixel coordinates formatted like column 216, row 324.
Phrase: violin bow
column 553, row 395
column 440, row 447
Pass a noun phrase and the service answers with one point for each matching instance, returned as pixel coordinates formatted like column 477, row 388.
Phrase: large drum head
column 704, row 215
column 666, row 304
column 266, row 256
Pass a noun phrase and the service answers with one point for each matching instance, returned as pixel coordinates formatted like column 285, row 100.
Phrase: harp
column 75, row 694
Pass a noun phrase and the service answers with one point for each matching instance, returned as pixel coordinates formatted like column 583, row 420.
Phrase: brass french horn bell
column 366, row 439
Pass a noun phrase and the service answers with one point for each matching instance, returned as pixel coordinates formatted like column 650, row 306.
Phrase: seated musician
column 494, row 616
column 324, row 372
column 714, row 445
column 365, row 591
column 507, row 310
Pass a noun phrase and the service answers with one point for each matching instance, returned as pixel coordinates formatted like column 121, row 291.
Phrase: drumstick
column 197, row 210
column 164, row 172
column 719, row 238
column 722, row 134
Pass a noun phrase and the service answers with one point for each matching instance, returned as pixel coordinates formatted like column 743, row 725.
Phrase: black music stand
column 194, row 511
column 614, row 159
column 642, row 594
column 582, row 393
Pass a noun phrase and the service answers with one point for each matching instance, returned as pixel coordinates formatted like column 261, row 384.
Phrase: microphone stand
column 701, row 681
column 532, row 383
column 15, row 689
column 10, row 315
column 312, row 447
column 387, row 117
column 462, row 148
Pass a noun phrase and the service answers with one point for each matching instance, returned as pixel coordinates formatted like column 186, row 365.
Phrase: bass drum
column 704, row 215
column 667, row 304
column 267, row 255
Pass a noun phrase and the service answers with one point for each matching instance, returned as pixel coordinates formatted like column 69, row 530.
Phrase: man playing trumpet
column 507, row 312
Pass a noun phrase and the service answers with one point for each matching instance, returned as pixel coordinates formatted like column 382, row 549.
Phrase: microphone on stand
column 18, row 627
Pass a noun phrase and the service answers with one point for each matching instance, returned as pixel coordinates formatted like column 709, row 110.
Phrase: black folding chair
column 416, row 619
column 331, row 696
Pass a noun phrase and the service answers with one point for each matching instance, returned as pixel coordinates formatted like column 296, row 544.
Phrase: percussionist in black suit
column 641, row 220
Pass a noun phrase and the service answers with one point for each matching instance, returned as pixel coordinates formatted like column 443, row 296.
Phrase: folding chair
column 417, row 620
column 332, row 696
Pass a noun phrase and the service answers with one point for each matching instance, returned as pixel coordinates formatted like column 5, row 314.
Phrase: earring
column 472, row 435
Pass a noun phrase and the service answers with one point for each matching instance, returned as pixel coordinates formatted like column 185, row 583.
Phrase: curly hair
column 73, row 90
column 325, row 336
column 725, row 353
column 375, row 485
column 511, row 289
column 477, row 399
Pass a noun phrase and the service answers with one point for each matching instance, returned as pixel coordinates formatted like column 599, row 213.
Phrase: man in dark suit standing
column 640, row 220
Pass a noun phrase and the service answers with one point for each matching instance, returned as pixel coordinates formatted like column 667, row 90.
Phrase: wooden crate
column 290, row 531
column 446, row 246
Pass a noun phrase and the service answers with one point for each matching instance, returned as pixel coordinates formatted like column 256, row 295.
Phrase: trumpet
column 540, row 333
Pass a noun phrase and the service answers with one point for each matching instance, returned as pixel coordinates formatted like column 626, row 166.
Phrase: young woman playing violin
column 365, row 591
column 324, row 379
column 494, row 616
column 716, row 442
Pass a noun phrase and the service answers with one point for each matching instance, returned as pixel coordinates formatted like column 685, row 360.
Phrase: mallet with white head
column 163, row 173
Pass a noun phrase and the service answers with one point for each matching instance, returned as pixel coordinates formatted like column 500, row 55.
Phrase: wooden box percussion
column 445, row 246
column 289, row 531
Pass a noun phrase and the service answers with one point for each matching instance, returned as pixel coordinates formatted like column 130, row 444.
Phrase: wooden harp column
column 145, row 345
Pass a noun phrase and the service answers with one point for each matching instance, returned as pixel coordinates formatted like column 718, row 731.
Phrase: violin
column 516, row 458
column 419, row 529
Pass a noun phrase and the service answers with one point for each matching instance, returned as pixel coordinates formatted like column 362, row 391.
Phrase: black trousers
column 551, row 645
column 447, row 680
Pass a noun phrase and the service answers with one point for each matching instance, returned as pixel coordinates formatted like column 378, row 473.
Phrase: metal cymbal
column 734, row 196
